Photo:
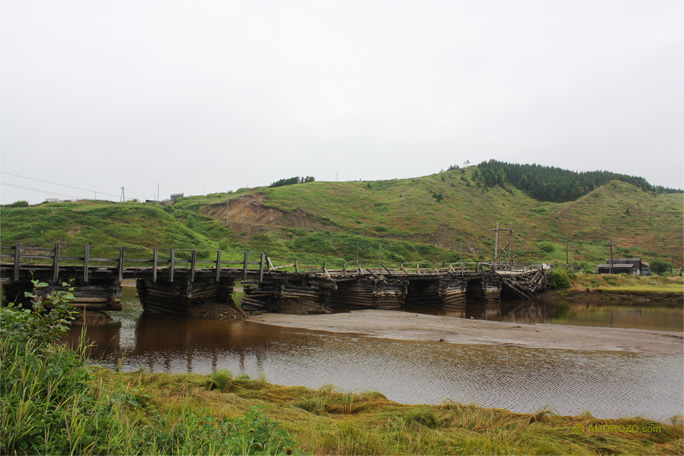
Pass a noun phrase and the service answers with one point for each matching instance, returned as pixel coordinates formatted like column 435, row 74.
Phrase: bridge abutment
column 98, row 293
column 179, row 296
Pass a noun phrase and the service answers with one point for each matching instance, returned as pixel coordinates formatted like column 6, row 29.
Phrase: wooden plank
column 172, row 264
column 261, row 267
column 121, row 264
column 193, row 264
column 155, row 260
column 86, row 256
column 17, row 259
column 244, row 266
column 55, row 264
column 31, row 257
column 218, row 265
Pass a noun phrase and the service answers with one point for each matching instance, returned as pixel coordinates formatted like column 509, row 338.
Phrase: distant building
column 176, row 196
column 625, row 266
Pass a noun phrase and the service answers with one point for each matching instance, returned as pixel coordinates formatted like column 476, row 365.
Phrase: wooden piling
column 86, row 258
column 172, row 264
column 193, row 265
column 155, row 260
column 218, row 266
column 17, row 259
column 55, row 263
column 121, row 265
column 244, row 266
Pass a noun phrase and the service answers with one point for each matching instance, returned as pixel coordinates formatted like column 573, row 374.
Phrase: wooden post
column 296, row 265
column 86, row 257
column 172, row 264
column 121, row 264
column 155, row 260
column 462, row 268
column 218, row 265
column 193, row 265
column 17, row 259
column 55, row 264
column 261, row 266
column 244, row 266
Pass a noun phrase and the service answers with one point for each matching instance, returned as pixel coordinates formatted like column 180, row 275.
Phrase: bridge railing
column 123, row 259
column 38, row 257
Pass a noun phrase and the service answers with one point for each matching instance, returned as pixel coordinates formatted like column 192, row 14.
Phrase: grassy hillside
column 427, row 219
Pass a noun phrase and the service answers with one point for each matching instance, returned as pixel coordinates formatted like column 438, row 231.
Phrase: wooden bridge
column 175, row 280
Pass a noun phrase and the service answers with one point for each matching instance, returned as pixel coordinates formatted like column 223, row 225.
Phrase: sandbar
column 420, row 327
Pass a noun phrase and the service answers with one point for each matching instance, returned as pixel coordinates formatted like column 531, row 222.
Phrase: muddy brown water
column 608, row 384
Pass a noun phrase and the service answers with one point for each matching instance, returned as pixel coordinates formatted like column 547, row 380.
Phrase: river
column 607, row 384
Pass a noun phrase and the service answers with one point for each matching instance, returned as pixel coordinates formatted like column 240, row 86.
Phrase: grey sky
column 212, row 96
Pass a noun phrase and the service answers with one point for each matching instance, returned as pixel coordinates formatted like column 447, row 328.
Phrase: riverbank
column 628, row 288
column 413, row 326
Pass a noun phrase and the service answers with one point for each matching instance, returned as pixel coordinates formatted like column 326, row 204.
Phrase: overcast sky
column 202, row 97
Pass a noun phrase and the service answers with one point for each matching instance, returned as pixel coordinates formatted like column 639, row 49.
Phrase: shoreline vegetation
column 653, row 287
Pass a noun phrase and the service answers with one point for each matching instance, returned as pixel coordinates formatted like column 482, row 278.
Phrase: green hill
column 427, row 219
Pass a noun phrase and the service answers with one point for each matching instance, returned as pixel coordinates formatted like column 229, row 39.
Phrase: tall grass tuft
column 221, row 380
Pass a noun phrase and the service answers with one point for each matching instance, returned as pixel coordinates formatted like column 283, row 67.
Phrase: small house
column 625, row 266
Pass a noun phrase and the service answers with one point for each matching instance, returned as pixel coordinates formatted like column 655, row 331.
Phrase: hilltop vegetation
column 444, row 217
column 545, row 183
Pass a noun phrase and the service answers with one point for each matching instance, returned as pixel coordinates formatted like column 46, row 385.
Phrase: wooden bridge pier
column 164, row 296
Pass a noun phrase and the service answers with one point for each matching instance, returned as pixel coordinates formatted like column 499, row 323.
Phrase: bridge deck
column 171, row 277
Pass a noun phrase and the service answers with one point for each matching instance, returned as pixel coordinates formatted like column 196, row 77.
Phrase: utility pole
column 496, row 246
column 672, row 263
column 461, row 251
column 567, row 262
column 227, row 207
column 158, row 195
column 611, row 255
column 242, row 204
column 574, row 247
column 123, row 195
column 507, row 250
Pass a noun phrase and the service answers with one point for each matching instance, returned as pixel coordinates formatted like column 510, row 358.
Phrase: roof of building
column 616, row 266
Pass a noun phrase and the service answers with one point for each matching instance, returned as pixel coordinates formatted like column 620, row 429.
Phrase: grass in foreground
column 328, row 421
column 54, row 403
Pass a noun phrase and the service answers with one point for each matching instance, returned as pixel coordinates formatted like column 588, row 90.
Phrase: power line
column 38, row 190
column 55, row 183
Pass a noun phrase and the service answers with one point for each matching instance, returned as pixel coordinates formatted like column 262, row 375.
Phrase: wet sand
column 413, row 326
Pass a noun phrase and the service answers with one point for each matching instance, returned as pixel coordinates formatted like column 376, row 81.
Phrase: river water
column 608, row 384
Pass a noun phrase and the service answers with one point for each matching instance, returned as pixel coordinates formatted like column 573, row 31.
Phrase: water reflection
column 522, row 380
column 586, row 312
